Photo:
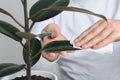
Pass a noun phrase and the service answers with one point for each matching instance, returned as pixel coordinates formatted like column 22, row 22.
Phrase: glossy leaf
column 41, row 4
column 62, row 45
column 75, row 9
column 9, row 30
column 35, row 48
column 26, row 35
column 10, row 68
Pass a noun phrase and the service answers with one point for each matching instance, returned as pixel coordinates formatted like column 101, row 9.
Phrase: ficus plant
column 40, row 11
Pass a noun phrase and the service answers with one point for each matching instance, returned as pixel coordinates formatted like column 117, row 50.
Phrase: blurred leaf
column 62, row 45
column 9, row 30
column 42, row 35
column 10, row 68
column 26, row 35
column 29, row 36
column 75, row 9
column 41, row 4
column 35, row 47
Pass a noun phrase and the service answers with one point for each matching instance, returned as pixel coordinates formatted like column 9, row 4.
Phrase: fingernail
column 76, row 40
column 53, row 35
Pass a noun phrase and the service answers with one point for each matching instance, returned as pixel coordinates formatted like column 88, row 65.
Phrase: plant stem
column 22, row 44
column 26, row 17
column 28, row 52
column 17, row 21
column 32, row 25
column 28, row 62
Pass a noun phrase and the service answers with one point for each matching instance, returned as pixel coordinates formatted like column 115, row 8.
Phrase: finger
column 52, row 28
column 105, row 42
column 63, row 53
column 95, row 31
column 101, row 36
column 87, row 31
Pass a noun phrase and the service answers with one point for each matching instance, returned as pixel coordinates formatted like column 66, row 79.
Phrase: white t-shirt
column 85, row 64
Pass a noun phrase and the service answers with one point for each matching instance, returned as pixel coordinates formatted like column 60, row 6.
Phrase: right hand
column 99, row 34
column 56, row 35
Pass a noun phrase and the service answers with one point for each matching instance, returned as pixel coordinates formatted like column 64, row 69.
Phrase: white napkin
column 107, row 49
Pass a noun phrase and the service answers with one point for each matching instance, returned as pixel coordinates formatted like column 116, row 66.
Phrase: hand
column 99, row 35
column 56, row 35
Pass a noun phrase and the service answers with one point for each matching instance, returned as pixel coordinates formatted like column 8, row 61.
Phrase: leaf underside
column 74, row 9
column 26, row 35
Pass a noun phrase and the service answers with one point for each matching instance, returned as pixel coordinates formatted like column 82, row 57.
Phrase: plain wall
column 11, row 50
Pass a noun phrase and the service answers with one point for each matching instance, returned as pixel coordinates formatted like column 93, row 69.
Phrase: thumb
column 53, row 28
column 54, row 34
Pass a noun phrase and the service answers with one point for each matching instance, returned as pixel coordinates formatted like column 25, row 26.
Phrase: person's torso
column 88, row 65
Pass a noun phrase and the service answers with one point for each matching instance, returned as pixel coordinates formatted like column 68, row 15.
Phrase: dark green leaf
column 26, row 35
column 75, row 9
column 41, row 4
column 35, row 47
column 9, row 30
column 10, row 68
column 62, row 45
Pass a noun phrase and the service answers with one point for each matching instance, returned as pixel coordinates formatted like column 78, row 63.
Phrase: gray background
column 10, row 50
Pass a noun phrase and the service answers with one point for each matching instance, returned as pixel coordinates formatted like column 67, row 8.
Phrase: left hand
column 56, row 35
column 99, row 35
